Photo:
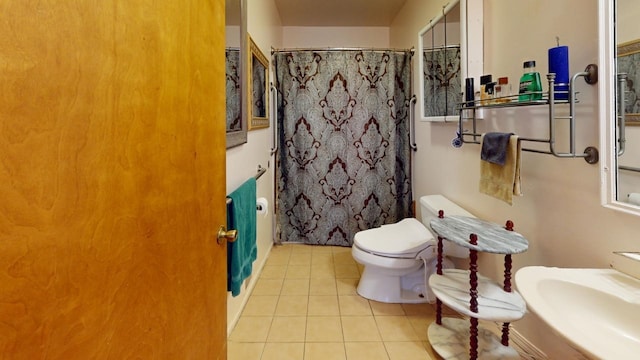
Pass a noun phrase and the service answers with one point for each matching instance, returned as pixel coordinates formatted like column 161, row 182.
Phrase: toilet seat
column 404, row 239
column 398, row 258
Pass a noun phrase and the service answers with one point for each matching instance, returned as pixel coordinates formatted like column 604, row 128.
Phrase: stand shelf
column 468, row 112
column 494, row 304
column 451, row 341
column 472, row 294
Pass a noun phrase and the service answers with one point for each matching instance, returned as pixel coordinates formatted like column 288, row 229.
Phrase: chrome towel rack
column 590, row 154
column 261, row 170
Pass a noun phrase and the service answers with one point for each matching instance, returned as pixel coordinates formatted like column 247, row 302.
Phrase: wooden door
column 112, row 180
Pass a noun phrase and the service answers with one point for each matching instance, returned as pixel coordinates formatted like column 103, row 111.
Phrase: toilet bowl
column 398, row 258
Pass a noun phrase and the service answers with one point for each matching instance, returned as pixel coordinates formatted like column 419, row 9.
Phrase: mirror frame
column 255, row 55
column 471, row 50
column 236, row 138
column 607, row 110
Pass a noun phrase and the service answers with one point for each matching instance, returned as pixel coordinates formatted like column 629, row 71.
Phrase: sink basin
column 596, row 310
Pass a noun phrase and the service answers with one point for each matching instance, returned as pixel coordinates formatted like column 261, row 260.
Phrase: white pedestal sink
column 596, row 310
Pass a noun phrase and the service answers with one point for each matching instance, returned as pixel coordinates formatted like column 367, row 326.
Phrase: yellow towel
column 502, row 182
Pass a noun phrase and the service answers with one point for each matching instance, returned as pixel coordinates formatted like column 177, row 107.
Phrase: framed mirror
column 620, row 142
column 450, row 50
column 235, row 32
column 258, row 81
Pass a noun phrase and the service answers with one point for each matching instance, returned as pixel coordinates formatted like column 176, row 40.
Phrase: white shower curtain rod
column 273, row 51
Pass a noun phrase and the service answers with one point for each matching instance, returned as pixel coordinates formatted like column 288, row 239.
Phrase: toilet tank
column 429, row 207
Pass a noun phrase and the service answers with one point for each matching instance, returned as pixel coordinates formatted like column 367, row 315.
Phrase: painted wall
column 627, row 29
column 322, row 37
column 560, row 212
column 263, row 24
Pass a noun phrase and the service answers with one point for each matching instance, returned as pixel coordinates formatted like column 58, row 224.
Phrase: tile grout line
column 334, row 293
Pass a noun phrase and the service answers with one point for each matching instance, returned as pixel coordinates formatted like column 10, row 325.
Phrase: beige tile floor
column 305, row 307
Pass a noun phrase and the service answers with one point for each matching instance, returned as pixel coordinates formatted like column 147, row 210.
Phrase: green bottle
column 530, row 84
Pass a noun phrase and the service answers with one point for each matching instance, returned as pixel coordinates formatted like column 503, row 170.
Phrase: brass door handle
column 226, row 235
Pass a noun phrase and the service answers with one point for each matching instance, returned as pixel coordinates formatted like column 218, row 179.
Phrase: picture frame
column 258, row 89
column 628, row 61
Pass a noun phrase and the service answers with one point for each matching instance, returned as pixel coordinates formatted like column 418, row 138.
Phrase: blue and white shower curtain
column 344, row 159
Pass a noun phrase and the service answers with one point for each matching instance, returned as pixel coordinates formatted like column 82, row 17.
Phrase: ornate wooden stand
column 474, row 247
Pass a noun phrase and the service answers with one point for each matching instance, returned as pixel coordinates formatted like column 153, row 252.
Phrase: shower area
column 343, row 134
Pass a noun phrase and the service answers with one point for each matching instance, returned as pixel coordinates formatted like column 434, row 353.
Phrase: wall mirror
column 619, row 56
column 258, row 86
column 235, row 30
column 628, row 62
column 450, row 50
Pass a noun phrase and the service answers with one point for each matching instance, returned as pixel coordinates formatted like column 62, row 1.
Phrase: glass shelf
column 511, row 101
column 469, row 112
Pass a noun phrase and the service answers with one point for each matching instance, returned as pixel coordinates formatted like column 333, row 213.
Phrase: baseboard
column 250, row 283
column 524, row 347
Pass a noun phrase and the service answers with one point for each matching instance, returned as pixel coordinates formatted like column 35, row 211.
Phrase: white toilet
column 398, row 258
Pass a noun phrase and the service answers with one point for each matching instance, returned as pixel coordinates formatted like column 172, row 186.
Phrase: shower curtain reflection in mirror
column 233, row 89
column 344, row 159
column 450, row 49
column 258, row 86
column 442, row 83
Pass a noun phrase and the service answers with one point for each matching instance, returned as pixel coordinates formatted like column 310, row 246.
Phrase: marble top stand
column 486, row 299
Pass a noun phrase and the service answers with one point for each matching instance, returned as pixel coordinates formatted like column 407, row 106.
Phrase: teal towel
column 241, row 215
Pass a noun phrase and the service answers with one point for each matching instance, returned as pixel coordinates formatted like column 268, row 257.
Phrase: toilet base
column 378, row 285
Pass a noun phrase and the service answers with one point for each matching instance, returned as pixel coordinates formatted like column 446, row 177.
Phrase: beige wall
column 560, row 212
column 263, row 24
column 627, row 27
column 322, row 37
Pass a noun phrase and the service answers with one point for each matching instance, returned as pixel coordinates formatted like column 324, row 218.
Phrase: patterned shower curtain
column 443, row 93
column 344, row 159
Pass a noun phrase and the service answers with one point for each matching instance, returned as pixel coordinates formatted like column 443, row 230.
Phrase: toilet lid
column 407, row 236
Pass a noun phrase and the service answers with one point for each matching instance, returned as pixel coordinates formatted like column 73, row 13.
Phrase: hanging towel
column 241, row 215
column 502, row 181
column 494, row 147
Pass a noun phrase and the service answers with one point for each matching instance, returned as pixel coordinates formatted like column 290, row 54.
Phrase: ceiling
column 338, row 12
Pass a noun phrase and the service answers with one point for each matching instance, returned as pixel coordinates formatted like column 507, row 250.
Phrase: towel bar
column 260, row 172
